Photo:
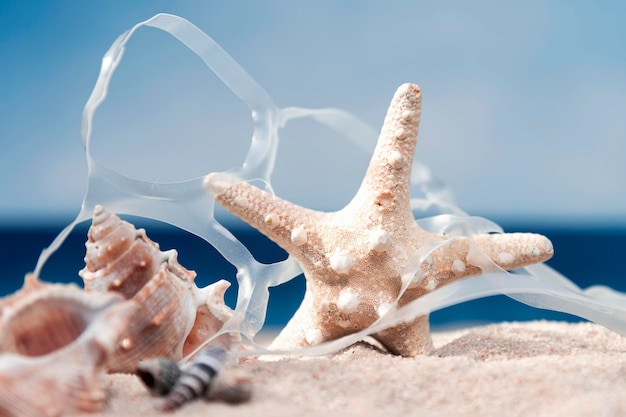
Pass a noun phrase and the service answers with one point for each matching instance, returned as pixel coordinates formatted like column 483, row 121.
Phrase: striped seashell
column 229, row 385
column 195, row 379
column 175, row 315
column 55, row 340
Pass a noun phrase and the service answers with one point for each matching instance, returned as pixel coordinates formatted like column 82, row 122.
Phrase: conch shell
column 55, row 341
column 175, row 315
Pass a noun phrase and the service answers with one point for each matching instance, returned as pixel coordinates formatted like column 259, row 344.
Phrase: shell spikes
column 175, row 315
column 55, row 340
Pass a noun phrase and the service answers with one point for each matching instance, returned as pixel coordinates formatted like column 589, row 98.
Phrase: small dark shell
column 159, row 375
column 195, row 380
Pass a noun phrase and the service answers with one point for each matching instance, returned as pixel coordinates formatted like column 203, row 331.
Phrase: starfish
column 353, row 259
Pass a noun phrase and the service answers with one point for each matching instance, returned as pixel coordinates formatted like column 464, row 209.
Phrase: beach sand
column 506, row 369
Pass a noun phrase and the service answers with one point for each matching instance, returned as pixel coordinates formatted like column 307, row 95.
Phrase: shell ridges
column 175, row 316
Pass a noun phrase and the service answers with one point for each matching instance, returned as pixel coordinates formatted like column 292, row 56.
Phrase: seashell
column 55, row 340
column 229, row 385
column 195, row 379
column 175, row 316
column 31, row 284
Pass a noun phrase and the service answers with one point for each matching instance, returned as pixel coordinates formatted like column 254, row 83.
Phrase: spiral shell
column 203, row 377
column 55, row 340
column 175, row 315
column 196, row 379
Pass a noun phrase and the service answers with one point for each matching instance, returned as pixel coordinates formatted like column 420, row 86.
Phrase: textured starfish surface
column 353, row 258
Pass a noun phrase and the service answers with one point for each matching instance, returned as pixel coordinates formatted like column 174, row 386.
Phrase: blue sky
column 524, row 104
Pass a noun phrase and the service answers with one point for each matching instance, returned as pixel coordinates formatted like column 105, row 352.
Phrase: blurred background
column 524, row 118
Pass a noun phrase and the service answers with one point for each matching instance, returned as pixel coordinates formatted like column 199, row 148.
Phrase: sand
column 507, row 369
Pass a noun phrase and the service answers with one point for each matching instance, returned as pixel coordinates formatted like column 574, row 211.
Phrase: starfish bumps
column 353, row 259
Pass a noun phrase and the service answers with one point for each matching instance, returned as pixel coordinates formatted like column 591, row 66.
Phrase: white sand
column 508, row 369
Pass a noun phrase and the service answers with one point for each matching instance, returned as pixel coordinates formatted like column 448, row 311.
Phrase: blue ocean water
column 588, row 256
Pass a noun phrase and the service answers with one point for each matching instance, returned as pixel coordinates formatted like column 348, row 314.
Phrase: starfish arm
column 449, row 262
column 515, row 250
column 386, row 185
column 291, row 226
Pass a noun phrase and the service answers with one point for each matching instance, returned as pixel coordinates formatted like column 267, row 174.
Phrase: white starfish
column 353, row 259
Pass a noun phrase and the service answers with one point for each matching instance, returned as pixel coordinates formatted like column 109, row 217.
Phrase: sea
column 586, row 255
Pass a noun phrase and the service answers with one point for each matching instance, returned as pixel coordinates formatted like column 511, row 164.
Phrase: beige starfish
column 353, row 258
